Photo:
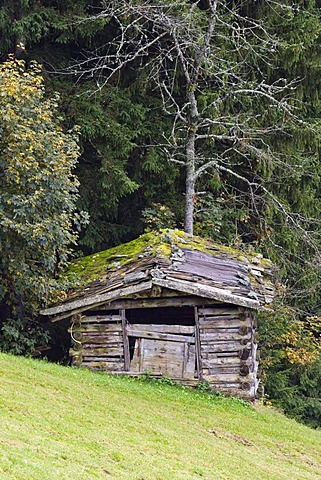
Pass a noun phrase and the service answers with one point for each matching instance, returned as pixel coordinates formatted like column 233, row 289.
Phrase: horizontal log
column 232, row 346
column 95, row 333
column 222, row 334
column 227, row 354
column 212, row 359
column 220, row 385
column 102, row 358
column 159, row 336
column 220, row 322
column 228, row 377
column 241, row 386
column 220, row 370
column 90, row 328
column 190, row 382
column 218, row 331
column 235, row 392
column 221, row 310
column 145, row 302
column 174, row 329
column 104, row 340
column 103, row 365
column 100, row 319
column 238, row 327
column 138, row 374
column 102, row 351
column 209, row 337
column 102, row 345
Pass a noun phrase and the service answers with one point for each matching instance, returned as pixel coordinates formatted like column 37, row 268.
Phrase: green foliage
column 20, row 337
column 297, row 390
column 291, row 364
column 30, row 22
column 158, row 217
column 38, row 195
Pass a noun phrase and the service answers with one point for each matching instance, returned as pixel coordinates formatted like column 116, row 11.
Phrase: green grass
column 63, row 423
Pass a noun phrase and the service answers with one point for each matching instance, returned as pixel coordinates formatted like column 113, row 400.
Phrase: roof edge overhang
column 225, row 296
column 67, row 309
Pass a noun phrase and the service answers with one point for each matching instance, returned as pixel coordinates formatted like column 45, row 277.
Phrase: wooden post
column 198, row 346
column 125, row 341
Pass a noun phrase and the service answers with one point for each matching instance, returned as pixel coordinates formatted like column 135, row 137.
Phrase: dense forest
column 124, row 115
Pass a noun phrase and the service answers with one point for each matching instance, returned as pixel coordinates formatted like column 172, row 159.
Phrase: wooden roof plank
column 208, row 292
column 96, row 299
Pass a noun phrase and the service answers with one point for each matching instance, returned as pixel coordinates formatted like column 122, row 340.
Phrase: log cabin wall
column 227, row 349
column 98, row 341
column 224, row 341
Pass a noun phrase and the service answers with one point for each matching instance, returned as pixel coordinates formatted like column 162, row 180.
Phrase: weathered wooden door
column 163, row 349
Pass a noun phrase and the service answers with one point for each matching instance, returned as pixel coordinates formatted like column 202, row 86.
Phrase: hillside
column 63, row 423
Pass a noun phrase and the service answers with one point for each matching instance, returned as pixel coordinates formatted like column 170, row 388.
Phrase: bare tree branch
column 223, row 111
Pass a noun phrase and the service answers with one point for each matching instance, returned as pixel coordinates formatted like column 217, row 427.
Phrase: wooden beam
column 227, row 323
column 66, row 309
column 99, row 328
column 220, row 310
column 125, row 340
column 198, row 346
column 200, row 290
column 177, row 301
column 100, row 318
column 161, row 328
column 225, row 335
column 159, row 336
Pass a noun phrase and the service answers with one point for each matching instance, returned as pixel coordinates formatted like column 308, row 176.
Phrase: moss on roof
column 96, row 266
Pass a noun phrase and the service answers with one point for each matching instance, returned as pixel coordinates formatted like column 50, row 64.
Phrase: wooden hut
column 172, row 305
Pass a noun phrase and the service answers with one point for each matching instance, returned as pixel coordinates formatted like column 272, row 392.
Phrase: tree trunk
column 190, row 155
column 190, row 182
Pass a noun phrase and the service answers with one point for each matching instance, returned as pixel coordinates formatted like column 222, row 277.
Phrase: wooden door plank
column 189, row 361
column 125, row 341
column 198, row 345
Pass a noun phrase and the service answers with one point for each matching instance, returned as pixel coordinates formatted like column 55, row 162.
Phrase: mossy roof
column 177, row 258
column 158, row 244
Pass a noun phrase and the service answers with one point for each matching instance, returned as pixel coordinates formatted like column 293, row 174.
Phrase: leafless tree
column 217, row 53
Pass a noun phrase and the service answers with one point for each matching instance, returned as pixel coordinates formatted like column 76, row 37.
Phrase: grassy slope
column 63, row 423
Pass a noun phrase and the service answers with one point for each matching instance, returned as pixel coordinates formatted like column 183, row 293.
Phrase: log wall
column 227, row 350
column 224, row 346
column 98, row 342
